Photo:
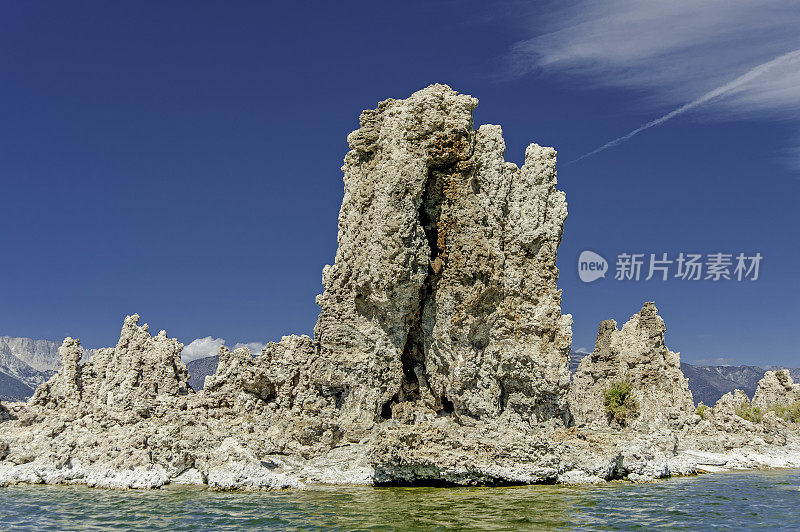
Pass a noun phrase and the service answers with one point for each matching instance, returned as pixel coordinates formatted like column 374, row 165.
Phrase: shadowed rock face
column 636, row 354
column 443, row 295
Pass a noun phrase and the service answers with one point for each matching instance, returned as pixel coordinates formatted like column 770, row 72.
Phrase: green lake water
column 740, row 500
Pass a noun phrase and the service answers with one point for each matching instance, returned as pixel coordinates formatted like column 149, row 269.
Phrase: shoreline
column 292, row 475
column 321, row 486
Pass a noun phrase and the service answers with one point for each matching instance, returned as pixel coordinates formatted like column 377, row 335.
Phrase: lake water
column 740, row 500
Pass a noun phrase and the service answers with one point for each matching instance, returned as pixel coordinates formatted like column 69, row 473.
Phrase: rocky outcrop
column 440, row 322
column 233, row 466
column 735, row 423
column 776, row 389
column 443, row 297
column 440, row 355
column 637, row 356
column 27, row 363
column 662, row 434
column 128, row 381
column 293, row 410
column 65, row 387
column 733, row 426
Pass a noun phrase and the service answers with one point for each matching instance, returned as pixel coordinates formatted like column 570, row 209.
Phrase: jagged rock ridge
column 707, row 383
column 440, row 319
column 443, row 295
column 636, row 354
column 440, row 355
column 27, row 363
column 776, row 388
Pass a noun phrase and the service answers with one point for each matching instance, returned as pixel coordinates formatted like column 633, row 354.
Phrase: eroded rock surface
column 440, row 322
column 733, row 426
column 443, row 297
column 663, row 434
column 776, row 389
column 636, row 354
column 440, row 355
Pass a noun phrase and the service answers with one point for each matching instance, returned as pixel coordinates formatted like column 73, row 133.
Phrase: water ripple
column 745, row 500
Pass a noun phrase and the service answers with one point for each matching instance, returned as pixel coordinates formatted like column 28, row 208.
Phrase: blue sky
column 182, row 160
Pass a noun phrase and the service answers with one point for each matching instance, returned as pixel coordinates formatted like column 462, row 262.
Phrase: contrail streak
column 719, row 91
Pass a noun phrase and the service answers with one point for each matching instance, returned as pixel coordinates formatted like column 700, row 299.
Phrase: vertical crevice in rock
column 445, row 279
column 447, row 164
column 413, row 355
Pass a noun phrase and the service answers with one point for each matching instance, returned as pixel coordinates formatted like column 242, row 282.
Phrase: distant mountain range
column 199, row 369
column 26, row 363
column 709, row 383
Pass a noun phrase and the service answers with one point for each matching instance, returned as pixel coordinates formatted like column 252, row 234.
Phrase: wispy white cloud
column 254, row 347
column 752, row 74
column 583, row 351
column 201, row 348
column 209, row 346
column 706, row 53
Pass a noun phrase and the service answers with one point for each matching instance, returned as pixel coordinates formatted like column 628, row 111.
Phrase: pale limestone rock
column 728, row 404
column 666, row 436
column 443, row 295
column 140, row 477
column 440, row 354
column 442, row 304
column 578, row 477
column 291, row 410
column 139, row 373
column 442, row 452
column 776, row 388
column 232, row 466
column 348, row 464
column 724, row 431
column 638, row 354
column 190, row 477
column 16, row 474
column 64, row 388
column 112, row 421
column 129, row 381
